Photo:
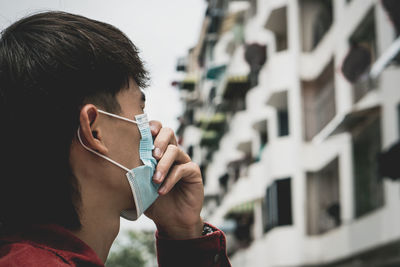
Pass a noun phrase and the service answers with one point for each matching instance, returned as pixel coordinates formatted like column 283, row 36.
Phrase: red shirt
column 53, row 245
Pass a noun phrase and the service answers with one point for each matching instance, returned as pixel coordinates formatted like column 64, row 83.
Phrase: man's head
column 56, row 69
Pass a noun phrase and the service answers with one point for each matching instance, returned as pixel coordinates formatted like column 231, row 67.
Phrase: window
column 234, row 96
column 262, row 133
column 212, row 95
column 277, row 204
column 203, row 168
column 263, row 137
column 190, row 151
column 223, row 182
column 283, row 122
column 316, row 19
column 243, row 223
column 323, row 205
column 189, row 116
column 279, row 100
column 392, row 8
column 181, row 64
column 367, row 185
column 277, row 23
column 319, row 102
column 388, row 163
column 239, row 168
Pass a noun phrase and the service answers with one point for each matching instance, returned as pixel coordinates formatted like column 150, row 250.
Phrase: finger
column 165, row 137
column 155, row 127
column 185, row 172
column 173, row 154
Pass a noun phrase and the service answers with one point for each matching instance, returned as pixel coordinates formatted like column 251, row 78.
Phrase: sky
column 162, row 30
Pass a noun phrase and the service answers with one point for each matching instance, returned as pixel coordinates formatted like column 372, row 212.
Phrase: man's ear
column 90, row 130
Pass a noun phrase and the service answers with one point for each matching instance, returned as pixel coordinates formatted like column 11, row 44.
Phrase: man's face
column 124, row 137
column 116, row 139
column 122, row 140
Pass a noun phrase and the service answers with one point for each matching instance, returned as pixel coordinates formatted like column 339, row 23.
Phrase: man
column 77, row 151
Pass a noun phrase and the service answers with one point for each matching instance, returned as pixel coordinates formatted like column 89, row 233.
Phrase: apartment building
column 292, row 111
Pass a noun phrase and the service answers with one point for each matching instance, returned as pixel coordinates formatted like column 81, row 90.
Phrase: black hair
column 52, row 63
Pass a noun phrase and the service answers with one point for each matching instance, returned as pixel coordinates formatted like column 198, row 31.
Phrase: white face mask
column 144, row 190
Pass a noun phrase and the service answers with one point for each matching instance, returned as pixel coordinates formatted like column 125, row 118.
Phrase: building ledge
column 313, row 63
column 243, row 192
column 276, row 72
column 277, row 99
column 342, row 121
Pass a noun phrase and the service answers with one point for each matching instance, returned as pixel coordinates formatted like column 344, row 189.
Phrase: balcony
column 261, row 128
column 366, row 148
column 210, row 139
column 235, row 169
column 323, row 204
column 187, row 84
column 242, row 220
column 316, row 20
column 345, row 122
column 277, row 204
column 246, row 190
column 181, row 64
column 364, row 126
column 277, row 23
column 314, row 62
column 215, row 72
column 354, row 119
column 319, row 106
column 215, row 122
column 279, row 100
column 362, row 54
column 234, row 93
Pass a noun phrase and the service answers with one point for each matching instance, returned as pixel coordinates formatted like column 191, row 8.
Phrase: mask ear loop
column 116, row 116
column 98, row 154
column 122, row 118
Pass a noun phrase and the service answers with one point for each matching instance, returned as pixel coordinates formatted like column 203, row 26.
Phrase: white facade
column 282, row 83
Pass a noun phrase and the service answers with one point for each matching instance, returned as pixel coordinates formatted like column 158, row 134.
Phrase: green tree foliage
column 137, row 251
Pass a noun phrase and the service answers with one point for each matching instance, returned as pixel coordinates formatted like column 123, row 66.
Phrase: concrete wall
column 291, row 156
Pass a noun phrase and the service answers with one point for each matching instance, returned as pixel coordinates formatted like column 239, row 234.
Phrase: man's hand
column 176, row 212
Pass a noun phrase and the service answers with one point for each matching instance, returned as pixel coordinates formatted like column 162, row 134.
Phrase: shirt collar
column 58, row 239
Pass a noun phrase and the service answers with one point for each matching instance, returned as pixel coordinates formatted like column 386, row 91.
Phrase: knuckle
column 187, row 156
column 169, row 131
column 174, row 149
column 162, row 166
column 158, row 124
column 193, row 167
column 181, row 170
column 155, row 125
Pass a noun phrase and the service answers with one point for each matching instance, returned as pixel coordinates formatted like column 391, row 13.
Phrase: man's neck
column 99, row 229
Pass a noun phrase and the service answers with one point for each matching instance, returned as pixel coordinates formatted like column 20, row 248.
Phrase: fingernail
column 157, row 152
column 157, row 176
column 153, row 128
